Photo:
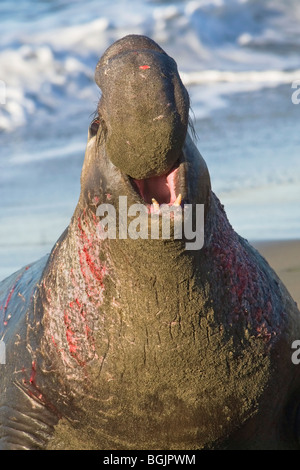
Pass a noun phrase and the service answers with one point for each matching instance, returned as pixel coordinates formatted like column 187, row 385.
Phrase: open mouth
column 158, row 190
column 168, row 189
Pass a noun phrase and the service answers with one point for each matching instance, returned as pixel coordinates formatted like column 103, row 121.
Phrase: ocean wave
column 264, row 77
column 51, row 58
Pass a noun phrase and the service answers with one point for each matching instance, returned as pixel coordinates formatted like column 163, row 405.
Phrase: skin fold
column 142, row 343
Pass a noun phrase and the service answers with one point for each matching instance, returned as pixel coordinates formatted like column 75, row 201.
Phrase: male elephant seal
column 141, row 343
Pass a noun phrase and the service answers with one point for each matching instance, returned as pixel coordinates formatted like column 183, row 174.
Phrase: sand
column 284, row 258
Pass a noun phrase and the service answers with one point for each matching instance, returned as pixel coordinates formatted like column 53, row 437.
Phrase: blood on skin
column 70, row 335
column 248, row 288
column 71, row 307
column 85, row 295
column 53, row 341
column 88, row 258
column 33, row 373
column 34, row 392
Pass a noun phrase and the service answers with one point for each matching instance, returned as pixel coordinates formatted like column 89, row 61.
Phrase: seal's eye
column 94, row 126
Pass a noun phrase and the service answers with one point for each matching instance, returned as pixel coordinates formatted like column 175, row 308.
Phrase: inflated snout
column 144, row 106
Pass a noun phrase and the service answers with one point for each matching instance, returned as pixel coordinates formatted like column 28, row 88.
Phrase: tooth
column 155, row 204
column 178, row 200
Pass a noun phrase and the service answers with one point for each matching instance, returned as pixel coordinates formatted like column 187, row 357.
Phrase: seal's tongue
column 161, row 189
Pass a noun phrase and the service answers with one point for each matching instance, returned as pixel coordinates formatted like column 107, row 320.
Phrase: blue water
column 238, row 60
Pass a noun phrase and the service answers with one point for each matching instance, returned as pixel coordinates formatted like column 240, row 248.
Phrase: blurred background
column 238, row 60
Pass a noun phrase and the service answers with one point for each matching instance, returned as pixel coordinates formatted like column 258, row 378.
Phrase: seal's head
column 139, row 145
column 144, row 106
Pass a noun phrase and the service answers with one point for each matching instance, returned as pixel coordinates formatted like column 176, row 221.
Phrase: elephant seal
column 141, row 343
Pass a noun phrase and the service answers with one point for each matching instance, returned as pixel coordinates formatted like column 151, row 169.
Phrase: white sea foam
column 262, row 77
column 213, row 41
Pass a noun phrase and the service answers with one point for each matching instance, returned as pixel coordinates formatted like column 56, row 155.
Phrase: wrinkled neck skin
column 108, row 274
column 140, row 263
column 143, row 333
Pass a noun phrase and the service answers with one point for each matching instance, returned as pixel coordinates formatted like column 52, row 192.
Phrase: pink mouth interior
column 161, row 188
